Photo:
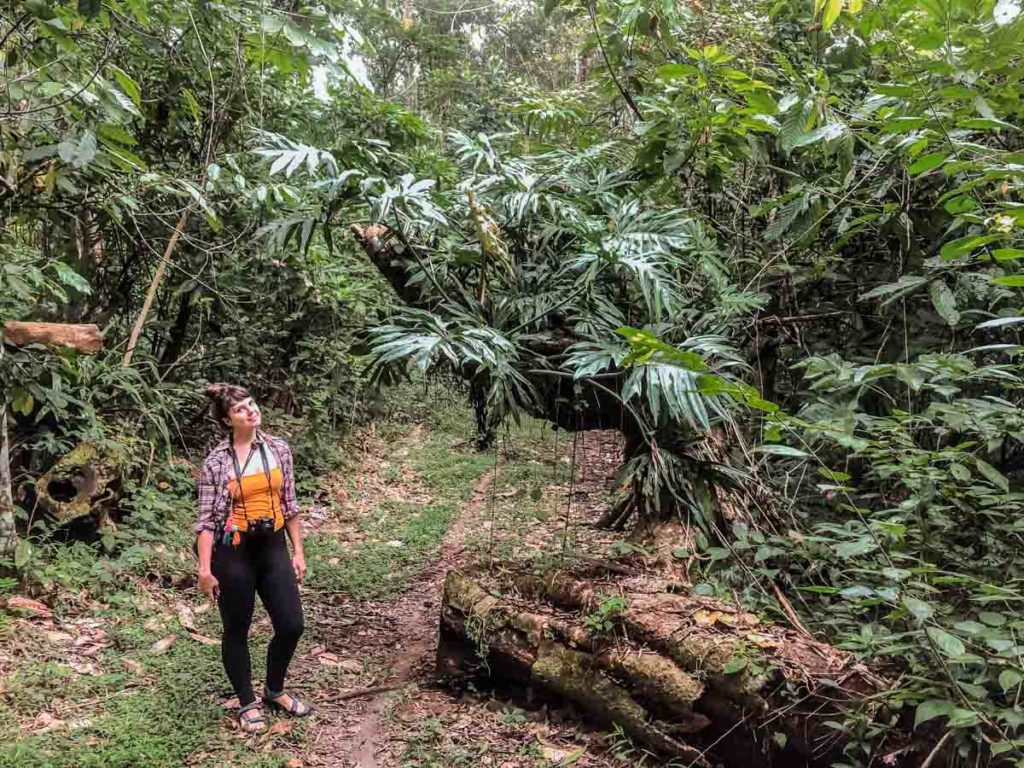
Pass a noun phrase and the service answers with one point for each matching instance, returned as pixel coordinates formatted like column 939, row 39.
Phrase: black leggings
column 257, row 564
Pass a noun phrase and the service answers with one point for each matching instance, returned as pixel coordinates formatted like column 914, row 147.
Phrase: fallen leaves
column 91, row 640
column 133, row 666
column 737, row 619
column 29, row 606
column 161, row 645
column 200, row 638
column 186, row 617
column 281, row 726
column 560, row 756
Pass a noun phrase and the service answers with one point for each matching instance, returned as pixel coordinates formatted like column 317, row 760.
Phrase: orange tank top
column 257, row 498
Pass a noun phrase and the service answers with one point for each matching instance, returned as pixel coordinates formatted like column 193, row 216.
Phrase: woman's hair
column 224, row 396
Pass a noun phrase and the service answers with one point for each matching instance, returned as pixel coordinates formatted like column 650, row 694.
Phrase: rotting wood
column 682, row 674
column 85, row 481
column 86, row 339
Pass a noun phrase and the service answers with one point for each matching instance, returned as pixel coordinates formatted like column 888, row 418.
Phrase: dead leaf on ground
column 55, row 637
column 28, row 605
column 163, row 644
column 133, row 666
column 293, row 763
column 203, row 639
column 186, row 617
column 281, row 726
column 84, row 667
column 44, row 721
column 329, row 659
column 231, row 703
column 560, row 756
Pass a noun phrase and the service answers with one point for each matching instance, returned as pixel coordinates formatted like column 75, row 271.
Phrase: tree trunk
column 689, row 677
column 8, row 536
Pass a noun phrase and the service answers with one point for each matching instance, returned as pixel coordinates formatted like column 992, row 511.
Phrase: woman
column 246, row 503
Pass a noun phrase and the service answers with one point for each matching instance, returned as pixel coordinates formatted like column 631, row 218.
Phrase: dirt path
column 416, row 614
column 396, row 639
column 390, row 643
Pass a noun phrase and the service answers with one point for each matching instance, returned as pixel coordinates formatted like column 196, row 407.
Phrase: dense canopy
column 776, row 244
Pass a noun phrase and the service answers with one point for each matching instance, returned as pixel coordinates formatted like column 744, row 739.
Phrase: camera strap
column 239, row 473
column 239, row 469
column 270, row 485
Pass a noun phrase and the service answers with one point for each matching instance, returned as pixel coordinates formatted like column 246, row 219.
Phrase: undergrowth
column 149, row 696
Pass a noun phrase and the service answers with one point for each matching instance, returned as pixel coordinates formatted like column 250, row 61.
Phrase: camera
column 261, row 526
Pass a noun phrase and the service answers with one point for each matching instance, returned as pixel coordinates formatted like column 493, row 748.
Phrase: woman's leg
column 275, row 582
column 236, row 573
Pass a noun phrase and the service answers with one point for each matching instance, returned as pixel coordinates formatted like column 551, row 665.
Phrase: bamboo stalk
column 154, row 285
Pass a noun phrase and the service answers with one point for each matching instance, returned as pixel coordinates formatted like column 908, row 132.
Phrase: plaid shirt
column 217, row 472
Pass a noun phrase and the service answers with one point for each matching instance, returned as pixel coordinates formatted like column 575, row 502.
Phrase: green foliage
column 605, row 620
column 777, row 242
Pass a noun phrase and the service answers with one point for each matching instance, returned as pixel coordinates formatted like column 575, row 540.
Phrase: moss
column 657, row 678
column 574, row 675
column 465, row 594
column 95, row 468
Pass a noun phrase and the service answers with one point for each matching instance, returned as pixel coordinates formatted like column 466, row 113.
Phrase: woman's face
column 244, row 414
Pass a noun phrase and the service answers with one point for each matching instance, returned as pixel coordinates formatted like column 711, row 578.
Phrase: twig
column 22, row 113
column 800, row 318
column 787, row 608
column 591, row 7
column 368, row 691
column 938, row 747
column 154, row 284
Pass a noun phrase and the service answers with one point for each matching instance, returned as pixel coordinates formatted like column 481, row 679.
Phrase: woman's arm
column 207, row 581
column 205, row 530
column 291, row 511
column 294, row 528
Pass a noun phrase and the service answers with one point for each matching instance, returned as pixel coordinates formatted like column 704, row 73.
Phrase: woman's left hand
column 299, row 564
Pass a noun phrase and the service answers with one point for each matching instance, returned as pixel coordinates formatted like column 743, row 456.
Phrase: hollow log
column 87, row 338
column 85, row 481
column 687, row 676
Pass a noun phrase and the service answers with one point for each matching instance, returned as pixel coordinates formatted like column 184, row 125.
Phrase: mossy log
column 686, row 676
column 84, row 482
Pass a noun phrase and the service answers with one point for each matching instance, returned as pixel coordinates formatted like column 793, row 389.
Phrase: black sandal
column 251, row 723
column 297, row 708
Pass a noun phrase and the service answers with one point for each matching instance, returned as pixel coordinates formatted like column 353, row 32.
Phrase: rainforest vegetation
column 774, row 245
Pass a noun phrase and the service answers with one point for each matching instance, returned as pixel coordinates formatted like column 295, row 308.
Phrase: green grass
column 166, row 718
column 402, row 537
column 375, row 570
column 169, row 714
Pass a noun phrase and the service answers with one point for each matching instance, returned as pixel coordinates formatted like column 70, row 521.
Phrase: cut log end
column 86, row 339
column 84, row 482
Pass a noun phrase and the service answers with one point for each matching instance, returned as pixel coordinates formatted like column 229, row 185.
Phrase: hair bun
column 215, row 391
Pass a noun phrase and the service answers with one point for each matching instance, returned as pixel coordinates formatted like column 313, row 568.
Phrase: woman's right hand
column 209, row 585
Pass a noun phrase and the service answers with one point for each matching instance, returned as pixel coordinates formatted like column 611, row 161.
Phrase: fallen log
column 85, row 481
column 87, row 338
column 688, row 677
